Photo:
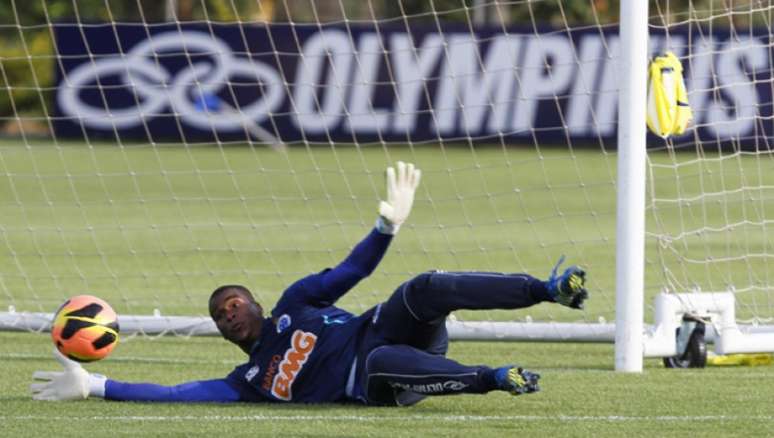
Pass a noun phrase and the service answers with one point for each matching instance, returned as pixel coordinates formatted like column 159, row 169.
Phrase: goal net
column 709, row 191
column 153, row 151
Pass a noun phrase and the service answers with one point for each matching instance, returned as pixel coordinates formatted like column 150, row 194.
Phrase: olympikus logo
column 301, row 346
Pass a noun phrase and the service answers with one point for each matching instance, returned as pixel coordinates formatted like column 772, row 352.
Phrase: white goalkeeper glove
column 74, row 383
column 400, row 196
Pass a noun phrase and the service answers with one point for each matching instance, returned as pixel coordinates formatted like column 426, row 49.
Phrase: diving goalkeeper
column 307, row 350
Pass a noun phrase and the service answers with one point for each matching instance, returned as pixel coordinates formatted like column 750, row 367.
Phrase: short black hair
column 222, row 289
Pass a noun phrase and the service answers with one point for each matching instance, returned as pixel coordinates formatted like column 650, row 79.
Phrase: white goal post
column 630, row 204
column 152, row 152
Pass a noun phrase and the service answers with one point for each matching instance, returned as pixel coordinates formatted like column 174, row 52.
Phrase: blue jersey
column 306, row 351
column 305, row 354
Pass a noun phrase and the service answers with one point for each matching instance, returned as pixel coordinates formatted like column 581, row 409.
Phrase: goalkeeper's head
column 237, row 315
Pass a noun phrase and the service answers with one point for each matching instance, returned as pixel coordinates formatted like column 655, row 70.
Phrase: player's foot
column 568, row 289
column 516, row 380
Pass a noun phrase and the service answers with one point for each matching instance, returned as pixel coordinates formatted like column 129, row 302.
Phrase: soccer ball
column 85, row 328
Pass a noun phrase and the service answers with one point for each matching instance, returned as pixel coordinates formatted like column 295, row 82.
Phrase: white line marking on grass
column 389, row 418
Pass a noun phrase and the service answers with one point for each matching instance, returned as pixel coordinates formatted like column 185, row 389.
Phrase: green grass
column 581, row 396
column 160, row 227
column 148, row 228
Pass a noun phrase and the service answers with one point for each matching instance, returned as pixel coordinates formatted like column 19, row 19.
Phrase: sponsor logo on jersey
column 251, row 373
column 271, row 371
column 283, row 322
column 301, row 346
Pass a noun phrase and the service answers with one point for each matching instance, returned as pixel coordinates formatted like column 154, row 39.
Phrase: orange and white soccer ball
column 85, row 328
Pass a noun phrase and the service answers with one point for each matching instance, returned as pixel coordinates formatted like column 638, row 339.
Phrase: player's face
column 238, row 318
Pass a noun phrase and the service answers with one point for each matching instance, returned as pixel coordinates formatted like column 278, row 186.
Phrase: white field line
column 401, row 418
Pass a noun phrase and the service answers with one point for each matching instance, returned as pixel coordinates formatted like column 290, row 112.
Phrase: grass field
column 581, row 396
column 158, row 228
column 149, row 228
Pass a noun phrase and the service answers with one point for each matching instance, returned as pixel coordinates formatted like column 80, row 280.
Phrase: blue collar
column 264, row 330
column 255, row 346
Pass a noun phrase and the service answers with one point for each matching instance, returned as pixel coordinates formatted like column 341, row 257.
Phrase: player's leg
column 415, row 311
column 433, row 295
column 431, row 338
column 403, row 375
column 415, row 315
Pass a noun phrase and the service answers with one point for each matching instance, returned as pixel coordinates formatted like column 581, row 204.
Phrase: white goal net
column 153, row 151
column 709, row 206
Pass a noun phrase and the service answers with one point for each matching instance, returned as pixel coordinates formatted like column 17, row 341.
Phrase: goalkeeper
column 310, row 351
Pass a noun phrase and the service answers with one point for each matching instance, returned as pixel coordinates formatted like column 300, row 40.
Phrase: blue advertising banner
column 228, row 82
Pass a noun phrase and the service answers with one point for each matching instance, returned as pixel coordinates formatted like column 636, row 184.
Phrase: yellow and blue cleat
column 517, row 380
column 568, row 289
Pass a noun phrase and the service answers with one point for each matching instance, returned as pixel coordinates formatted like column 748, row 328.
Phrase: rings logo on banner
column 211, row 66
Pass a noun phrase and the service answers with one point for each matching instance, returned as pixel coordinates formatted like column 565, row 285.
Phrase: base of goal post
column 678, row 334
column 691, row 344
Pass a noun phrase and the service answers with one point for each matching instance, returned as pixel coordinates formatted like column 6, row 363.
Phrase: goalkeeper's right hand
column 400, row 197
column 74, row 383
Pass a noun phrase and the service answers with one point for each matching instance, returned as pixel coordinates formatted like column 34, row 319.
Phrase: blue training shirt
column 306, row 350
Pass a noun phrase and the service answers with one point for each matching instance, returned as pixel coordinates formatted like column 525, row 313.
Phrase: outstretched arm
column 75, row 383
column 217, row 390
column 324, row 288
column 329, row 285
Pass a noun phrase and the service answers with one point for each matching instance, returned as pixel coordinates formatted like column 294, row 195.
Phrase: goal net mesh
column 153, row 151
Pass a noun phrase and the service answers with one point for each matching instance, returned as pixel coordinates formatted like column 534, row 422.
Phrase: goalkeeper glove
column 74, row 383
column 400, row 196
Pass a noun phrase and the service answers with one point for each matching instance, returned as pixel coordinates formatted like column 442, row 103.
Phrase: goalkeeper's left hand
column 74, row 383
column 400, row 197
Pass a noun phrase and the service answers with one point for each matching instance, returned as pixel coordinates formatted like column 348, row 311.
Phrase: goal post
column 630, row 203
column 153, row 151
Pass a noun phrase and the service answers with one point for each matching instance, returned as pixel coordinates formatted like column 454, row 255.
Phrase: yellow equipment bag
column 740, row 359
column 668, row 109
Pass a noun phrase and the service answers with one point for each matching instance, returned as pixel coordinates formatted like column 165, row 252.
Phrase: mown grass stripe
column 389, row 418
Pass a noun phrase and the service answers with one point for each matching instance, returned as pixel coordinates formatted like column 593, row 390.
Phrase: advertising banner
column 204, row 82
